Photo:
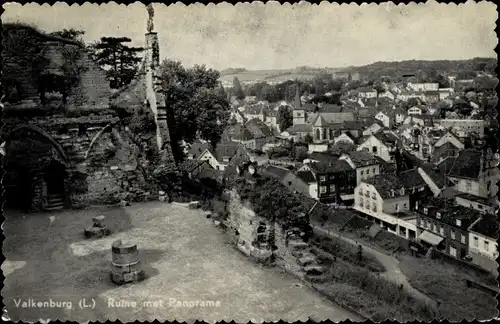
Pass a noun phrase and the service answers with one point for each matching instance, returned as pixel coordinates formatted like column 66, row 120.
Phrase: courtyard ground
column 185, row 257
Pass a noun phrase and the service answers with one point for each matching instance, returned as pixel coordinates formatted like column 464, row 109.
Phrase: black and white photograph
column 249, row 161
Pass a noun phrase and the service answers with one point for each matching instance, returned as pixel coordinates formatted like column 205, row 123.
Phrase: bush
column 369, row 292
column 446, row 284
column 346, row 251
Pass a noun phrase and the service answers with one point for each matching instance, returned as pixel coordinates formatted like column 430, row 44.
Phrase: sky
column 260, row 36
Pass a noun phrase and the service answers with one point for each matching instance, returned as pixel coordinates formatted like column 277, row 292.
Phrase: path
column 185, row 257
column 391, row 264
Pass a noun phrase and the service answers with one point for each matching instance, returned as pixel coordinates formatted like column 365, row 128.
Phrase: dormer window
column 458, row 222
column 402, row 191
column 426, row 210
column 392, row 193
column 438, row 215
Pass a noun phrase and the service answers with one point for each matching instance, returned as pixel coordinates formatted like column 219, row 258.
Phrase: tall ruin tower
column 155, row 97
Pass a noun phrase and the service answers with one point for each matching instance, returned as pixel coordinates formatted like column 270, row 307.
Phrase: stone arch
column 45, row 135
column 105, row 129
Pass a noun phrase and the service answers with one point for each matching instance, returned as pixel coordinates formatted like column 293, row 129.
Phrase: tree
column 300, row 153
column 200, row 109
column 462, row 107
column 284, row 118
column 119, row 60
column 71, row 34
column 237, row 89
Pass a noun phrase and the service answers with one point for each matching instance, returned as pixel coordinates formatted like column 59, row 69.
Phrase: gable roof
column 487, row 226
column 306, row 176
column 334, row 166
column 465, row 165
column 258, row 128
column 225, row 150
column 362, row 158
column 197, row 148
column 299, row 128
column 276, row 172
column 387, row 182
column 387, row 137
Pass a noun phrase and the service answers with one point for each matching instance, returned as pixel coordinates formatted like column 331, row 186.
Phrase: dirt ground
column 192, row 272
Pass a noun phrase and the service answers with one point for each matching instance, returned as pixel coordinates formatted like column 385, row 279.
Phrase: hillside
column 395, row 69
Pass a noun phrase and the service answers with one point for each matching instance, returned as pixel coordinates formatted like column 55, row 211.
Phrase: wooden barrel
column 125, row 263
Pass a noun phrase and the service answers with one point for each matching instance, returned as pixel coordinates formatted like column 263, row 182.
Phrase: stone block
column 96, row 232
column 99, row 221
column 124, row 203
column 194, row 205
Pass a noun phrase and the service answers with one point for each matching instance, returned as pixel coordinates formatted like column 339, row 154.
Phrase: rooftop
column 362, row 158
column 465, row 165
column 487, row 226
column 449, row 212
column 307, row 176
column 331, row 167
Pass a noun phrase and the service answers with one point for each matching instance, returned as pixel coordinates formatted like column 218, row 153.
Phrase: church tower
column 154, row 94
column 299, row 113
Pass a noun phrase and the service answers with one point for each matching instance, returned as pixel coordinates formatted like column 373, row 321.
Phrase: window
column 374, row 207
column 452, row 234
column 459, row 222
column 441, row 230
column 332, row 188
column 486, row 246
column 438, row 215
column 392, row 193
column 434, row 227
column 361, row 192
column 462, row 238
column 374, row 195
column 476, row 241
column 421, row 189
column 367, row 193
column 402, row 191
column 367, row 171
column 397, row 207
column 426, row 210
column 289, row 183
column 374, row 149
column 361, row 202
column 479, row 206
column 405, row 206
column 367, row 204
column 468, row 185
column 453, row 251
column 362, row 172
column 322, row 189
column 429, row 225
column 322, row 178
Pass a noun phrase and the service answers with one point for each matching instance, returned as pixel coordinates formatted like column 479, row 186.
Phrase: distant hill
column 412, row 66
column 276, row 75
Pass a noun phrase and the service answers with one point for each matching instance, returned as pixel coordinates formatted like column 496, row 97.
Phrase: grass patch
column 446, row 284
column 346, row 251
column 358, row 288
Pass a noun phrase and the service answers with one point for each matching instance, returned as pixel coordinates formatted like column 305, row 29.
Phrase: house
column 196, row 149
column 382, row 144
column 447, row 145
column 298, row 132
column 432, row 96
column 385, row 200
column 420, row 120
column 219, row 157
column 308, row 177
column 335, row 180
column 288, row 179
column 327, row 125
column 237, row 115
column 344, row 138
column 483, row 246
column 272, row 120
column 374, row 128
column 444, row 93
column 386, row 118
column 414, row 111
column 255, row 111
column 366, row 93
column 254, row 134
column 443, row 224
column 473, row 172
column 423, row 86
column 366, row 113
column 399, row 115
column 464, row 127
column 365, row 164
column 480, row 204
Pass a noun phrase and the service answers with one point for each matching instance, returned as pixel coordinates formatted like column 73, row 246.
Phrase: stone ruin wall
column 113, row 168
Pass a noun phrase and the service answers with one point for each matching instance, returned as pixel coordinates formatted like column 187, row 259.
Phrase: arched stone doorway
column 35, row 171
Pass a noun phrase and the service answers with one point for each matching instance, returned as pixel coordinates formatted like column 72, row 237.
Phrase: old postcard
column 250, row 162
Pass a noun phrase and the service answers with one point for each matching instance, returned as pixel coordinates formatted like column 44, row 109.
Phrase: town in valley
column 151, row 171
